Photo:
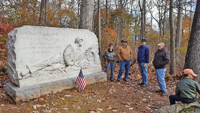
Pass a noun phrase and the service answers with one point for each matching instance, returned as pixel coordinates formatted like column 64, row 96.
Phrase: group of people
column 186, row 89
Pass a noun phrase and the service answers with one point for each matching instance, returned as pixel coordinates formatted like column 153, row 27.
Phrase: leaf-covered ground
column 107, row 97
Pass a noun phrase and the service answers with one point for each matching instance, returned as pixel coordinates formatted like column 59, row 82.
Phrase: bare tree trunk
column 42, row 12
column 144, row 17
column 106, row 12
column 60, row 19
column 34, row 12
column 120, row 21
column 79, row 13
column 71, row 4
column 116, row 4
column 179, row 24
column 142, row 21
column 46, row 9
column 185, row 11
column 163, row 20
column 131, row 7
column 86, row 17
column 172, row 41
column 117, row 25
column 151, row 22
column 99, row 22
column 193, row 54
column 190, row 17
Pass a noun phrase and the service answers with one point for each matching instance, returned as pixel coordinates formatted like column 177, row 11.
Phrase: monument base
column 35, row 91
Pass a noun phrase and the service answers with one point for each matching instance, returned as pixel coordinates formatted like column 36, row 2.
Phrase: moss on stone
column 190, row 109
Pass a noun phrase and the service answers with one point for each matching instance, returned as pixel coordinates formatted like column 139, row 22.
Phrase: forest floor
column 107, row 97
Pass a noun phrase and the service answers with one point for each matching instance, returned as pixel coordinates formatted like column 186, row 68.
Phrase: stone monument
column 42, row 60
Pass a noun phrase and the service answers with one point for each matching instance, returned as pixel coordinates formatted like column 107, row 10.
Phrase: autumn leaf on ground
column 11, row 101
column 109, row 108
column 75, row 101
column 112, row 90
column 151, row 102
column 103, row 100
column 90, row 109
column 124, row 103
column 136, row 108
column 133, row 103
column 137, row 104
column 107, row 98
column 28, row 109
column 73, row 93
column 41, row 100
column 59, row 97
column 89, row 94
column 145, row 110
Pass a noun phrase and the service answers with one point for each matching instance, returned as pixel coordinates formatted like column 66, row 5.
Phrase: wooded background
column 169, row 21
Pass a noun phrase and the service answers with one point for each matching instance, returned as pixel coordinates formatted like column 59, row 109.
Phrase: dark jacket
column 110, row 56
column 161, row 58
column 143, row 54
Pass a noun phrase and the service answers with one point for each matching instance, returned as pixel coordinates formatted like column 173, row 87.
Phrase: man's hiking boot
column 125, row 79
column 140, row 84
column 159, row 91
column 118, row 80
column 143, row 85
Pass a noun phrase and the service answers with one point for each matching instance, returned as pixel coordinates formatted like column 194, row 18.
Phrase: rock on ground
column 181, row 108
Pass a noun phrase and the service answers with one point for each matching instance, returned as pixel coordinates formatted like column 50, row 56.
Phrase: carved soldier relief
column 43, row 54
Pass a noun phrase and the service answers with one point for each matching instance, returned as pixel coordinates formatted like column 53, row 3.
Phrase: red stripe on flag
column 81, row 82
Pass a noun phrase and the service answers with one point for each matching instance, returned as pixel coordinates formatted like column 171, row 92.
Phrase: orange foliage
column 25, row 18
column 69, row 17
column 52, row 20
column 127, row 34
column 108, row 36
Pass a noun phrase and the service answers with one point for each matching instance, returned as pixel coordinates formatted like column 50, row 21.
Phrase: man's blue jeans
column 112, row 69
column 160, row 74
column 122, row 65
column 143, row 71
column 173, row 98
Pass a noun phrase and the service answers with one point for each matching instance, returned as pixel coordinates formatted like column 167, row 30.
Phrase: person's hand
column 145, row 65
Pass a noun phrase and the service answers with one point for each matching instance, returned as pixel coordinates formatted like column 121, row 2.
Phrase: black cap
column 110, row 44
column 124, row 41
column 144, row 40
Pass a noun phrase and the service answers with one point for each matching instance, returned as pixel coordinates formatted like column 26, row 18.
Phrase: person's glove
column 145, row 65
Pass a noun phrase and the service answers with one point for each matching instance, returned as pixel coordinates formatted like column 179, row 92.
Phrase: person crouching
column 186, row 88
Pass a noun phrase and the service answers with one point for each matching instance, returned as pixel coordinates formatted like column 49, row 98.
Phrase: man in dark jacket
column 143, row 60
column 110, row 57
column 161, row 58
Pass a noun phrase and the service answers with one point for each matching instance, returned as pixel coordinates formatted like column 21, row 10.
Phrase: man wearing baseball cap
column 143, row 60
column 186, row 90
column 161, row 59
column 124, row 53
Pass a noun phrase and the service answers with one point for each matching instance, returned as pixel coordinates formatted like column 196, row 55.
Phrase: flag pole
column 79, row 87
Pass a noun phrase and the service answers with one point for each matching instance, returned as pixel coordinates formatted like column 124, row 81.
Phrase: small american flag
column 80, row 81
